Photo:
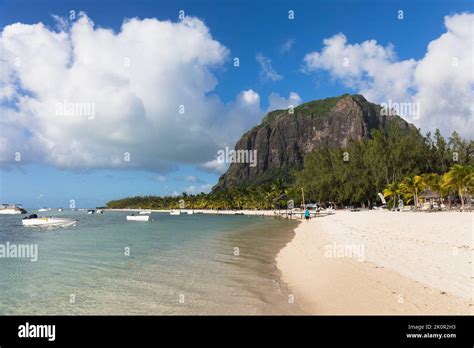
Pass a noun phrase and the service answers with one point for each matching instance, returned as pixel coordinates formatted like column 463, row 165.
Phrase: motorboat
column 60, row 209
column 6, row 209
column 138, row 217
column 99, row 211
column 190, row 212
column 35, row 221
column 175, row 212
column 144, row 212
column 44, row 209
column 91, row 211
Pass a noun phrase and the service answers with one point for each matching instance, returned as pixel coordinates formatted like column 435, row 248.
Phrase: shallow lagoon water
column 176, row 265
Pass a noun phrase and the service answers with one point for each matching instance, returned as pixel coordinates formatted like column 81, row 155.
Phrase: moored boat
column 35, row 221
column 6, row 209
column 138, row 218
column 175, row 212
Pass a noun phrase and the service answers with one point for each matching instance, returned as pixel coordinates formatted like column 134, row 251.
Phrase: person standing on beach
column 307, row 215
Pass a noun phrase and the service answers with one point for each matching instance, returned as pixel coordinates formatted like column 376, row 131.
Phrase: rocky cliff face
column 283, row 137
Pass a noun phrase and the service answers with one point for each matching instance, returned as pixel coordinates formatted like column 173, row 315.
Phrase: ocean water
column 176, row 265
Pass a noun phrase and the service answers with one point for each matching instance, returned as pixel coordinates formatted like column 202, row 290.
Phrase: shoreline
column 272, row 213
column 402, row 272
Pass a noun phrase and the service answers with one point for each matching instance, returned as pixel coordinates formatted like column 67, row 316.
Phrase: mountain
column 283, row 137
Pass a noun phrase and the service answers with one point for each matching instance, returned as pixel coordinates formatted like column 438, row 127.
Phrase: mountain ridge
column 284, row 137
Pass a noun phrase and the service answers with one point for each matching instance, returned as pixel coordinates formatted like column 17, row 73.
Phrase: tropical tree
column 410, row 187
column 447, row 187
column 393, row 191
column 462, row 179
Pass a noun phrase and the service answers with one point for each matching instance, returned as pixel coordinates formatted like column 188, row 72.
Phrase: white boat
column 99, row 211
column 138, row 218
column 190, row 212
column 6, row 209
column 60, row 209
column 48, row 222
column 175, row 212
column 44, row 209
column 144, row 212
column 91, row 211
column 9, row 211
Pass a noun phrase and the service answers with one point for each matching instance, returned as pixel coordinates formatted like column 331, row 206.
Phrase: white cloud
column 277, row 102
column 194, row 179
column 267, row 73
column 159, row 178
column 191, row 178
column 367, row 67
column 287, row 46
column 441, row 82
column 444, row 78
column 215, row 166
column 136, row 81
column 195, row 189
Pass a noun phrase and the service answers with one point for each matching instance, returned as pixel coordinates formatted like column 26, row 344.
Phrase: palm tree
column 462, row 179
column 431, row 181
column 237, row 198
column 447, row 187
column 278, row 187
column 410, row 187
column 392, row 190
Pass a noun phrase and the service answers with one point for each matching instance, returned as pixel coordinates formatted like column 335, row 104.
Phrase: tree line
column 355, row 174
column 400, row 163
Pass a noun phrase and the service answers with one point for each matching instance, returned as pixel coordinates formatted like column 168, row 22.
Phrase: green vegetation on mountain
column 397, row 163
column 284, row 137
column 341, row 150
column 315, row 108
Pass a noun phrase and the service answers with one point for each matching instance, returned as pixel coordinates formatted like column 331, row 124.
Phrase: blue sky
column 246, row 29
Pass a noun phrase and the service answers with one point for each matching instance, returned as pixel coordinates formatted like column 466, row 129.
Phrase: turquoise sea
column 176, row 265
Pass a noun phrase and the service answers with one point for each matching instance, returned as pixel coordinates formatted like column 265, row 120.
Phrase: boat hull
column 9, row 212
column 48, row 222
column 138, row 218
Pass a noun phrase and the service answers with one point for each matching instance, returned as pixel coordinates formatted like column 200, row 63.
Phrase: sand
column 381, row 262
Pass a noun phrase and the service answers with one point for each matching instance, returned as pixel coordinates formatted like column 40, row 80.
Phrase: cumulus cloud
column 441, row 82
column 88, row 97
column 277, row 102
column 215, row 166
column 267, row 73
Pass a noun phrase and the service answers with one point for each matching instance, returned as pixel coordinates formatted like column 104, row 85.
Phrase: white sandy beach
column 380, row 262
